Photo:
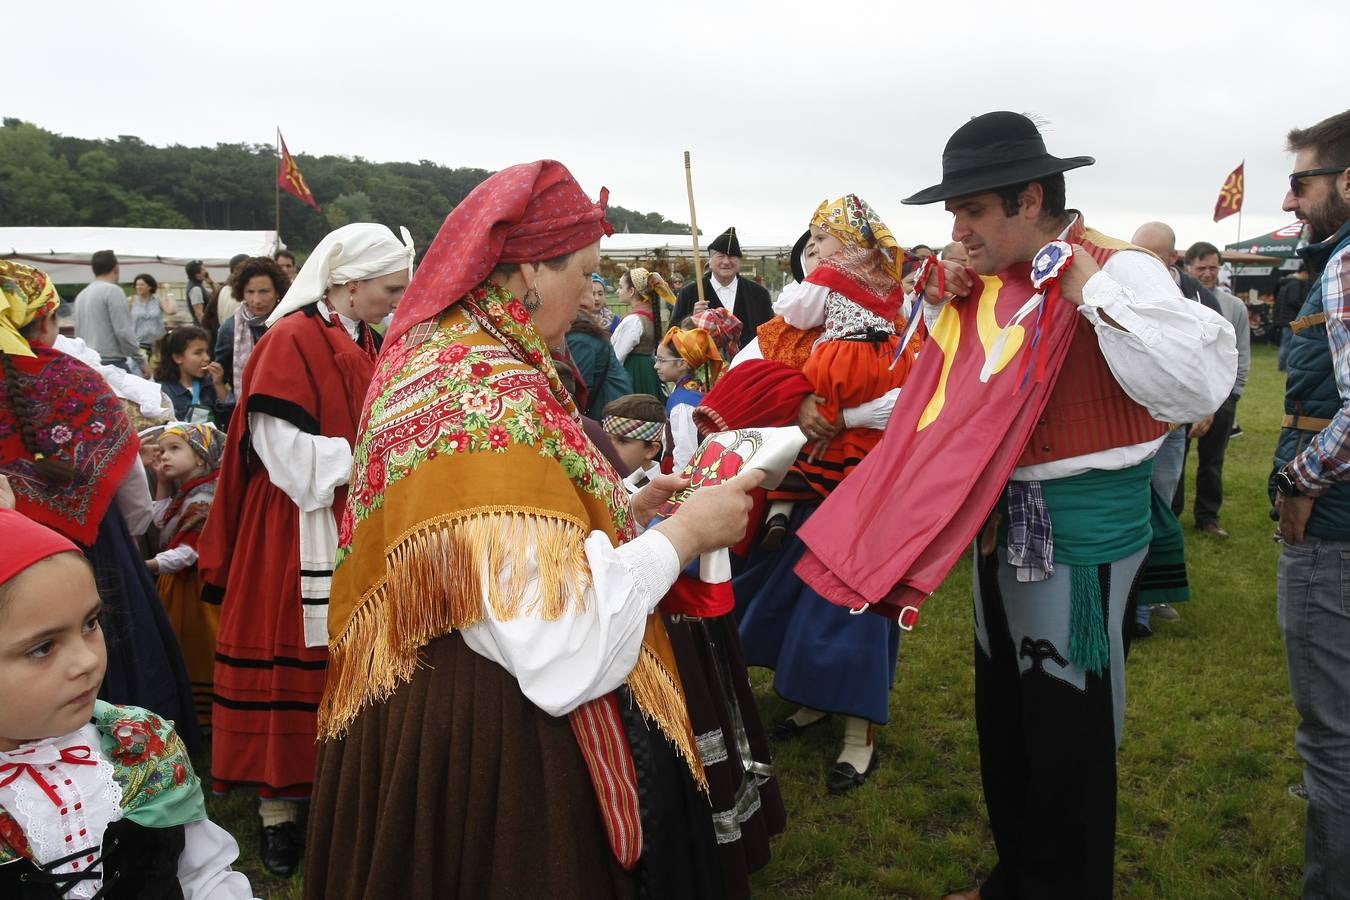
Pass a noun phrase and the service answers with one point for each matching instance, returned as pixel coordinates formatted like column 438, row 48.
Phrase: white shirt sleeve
column 307, row 467
column 133, row 500
column 626, row 336
column 685, row 433
column 589, row 650
column 802, row 305
column 176, row 559
column 873, row 413
column 1175, row 358
column 204, row 871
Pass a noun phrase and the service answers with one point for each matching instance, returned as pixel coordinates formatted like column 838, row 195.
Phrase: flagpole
column 276, row 187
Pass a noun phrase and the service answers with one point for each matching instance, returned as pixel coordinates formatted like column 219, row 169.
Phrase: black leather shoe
column 775, row 532
column 279, row 846
column 788, row 729
column 844, row 778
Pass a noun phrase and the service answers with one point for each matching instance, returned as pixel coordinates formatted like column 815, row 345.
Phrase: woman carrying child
column 830, row 363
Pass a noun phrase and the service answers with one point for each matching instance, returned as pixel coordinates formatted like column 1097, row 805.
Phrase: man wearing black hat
column 1053, row 587
column 724, row 287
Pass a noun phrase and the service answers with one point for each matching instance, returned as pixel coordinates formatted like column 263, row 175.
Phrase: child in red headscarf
column 95, row 799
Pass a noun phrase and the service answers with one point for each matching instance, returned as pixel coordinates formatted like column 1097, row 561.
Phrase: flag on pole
column 289, row 178
column 1230, row 195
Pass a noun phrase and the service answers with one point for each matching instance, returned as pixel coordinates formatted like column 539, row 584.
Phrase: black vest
column 138, row 863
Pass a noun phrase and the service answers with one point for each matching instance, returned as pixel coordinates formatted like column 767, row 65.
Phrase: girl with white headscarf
column 268, row 548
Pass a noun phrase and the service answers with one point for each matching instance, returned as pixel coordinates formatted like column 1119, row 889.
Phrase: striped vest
column 1088, row 411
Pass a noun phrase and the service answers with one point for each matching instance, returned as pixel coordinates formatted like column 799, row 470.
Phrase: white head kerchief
column 354, row 252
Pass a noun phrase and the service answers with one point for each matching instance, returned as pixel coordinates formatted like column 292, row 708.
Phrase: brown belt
column 1305, row 423
column 1307, row 322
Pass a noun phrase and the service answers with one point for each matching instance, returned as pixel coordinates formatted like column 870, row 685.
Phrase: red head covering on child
column 27, row 542
column 527, row 213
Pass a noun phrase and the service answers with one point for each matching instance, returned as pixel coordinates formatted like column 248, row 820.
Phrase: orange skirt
column 196, row 623
column 847, row 374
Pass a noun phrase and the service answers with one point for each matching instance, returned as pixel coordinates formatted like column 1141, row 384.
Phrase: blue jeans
column 1314, row 613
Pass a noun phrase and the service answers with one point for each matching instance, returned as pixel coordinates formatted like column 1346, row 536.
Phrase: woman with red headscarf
column 503, row 716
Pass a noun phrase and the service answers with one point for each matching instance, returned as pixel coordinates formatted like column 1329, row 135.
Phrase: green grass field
column 1204, row 771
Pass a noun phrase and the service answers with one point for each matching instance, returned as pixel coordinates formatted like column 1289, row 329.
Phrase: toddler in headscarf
column 187, row 463
column 853, row 294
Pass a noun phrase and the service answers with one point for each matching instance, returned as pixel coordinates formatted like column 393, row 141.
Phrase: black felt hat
column 796, row 259
column 992, row 151
column 726, row 242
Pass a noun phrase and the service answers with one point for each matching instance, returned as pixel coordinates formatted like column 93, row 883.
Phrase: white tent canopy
column 64, row 253
column 640, row 246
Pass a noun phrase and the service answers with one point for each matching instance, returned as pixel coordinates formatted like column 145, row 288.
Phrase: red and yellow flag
column 1230, row 195
column 289, row 178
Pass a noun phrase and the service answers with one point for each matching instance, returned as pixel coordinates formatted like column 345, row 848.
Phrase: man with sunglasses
column 1311, row 490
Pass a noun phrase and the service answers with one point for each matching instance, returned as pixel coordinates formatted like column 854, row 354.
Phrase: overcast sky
column 781, row 103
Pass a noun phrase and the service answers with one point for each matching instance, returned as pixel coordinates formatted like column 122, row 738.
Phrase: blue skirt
column 822, row 656
column 145, row 664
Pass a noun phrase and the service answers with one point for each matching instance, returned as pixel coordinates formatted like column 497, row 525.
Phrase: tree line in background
column 49, row 179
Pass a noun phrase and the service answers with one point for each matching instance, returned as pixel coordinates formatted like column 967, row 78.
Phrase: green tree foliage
column 51, row 179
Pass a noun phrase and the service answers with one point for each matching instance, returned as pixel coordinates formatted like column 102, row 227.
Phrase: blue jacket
column 1311, row 391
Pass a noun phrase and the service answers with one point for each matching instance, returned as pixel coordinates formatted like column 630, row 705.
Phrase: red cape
column 889, row 534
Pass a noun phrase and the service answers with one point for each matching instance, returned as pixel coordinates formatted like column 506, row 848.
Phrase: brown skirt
column 458, row 786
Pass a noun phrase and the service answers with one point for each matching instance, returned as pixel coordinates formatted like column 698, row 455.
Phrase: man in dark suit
column 724, row 287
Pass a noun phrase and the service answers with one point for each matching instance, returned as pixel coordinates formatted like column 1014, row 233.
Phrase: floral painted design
column 13, row 843
column 136, row 740
column 476, row 383
column 148, row 757
column 77, row 418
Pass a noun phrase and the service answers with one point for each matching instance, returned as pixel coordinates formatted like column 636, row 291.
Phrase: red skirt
column 267, row 682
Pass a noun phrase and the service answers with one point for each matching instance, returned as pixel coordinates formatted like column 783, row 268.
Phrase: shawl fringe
column 660, row 696
column 433, row 584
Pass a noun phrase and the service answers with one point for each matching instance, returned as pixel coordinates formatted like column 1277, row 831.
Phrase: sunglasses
column 1296, row 178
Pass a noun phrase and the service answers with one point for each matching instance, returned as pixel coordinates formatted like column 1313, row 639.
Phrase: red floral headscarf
column 527, row 213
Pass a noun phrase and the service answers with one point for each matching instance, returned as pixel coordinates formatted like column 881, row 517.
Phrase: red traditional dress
column 299, row 407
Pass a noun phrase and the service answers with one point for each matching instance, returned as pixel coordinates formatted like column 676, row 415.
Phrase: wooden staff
column 693, row 226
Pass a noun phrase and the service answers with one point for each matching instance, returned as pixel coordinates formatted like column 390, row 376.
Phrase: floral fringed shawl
column 469, row 450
